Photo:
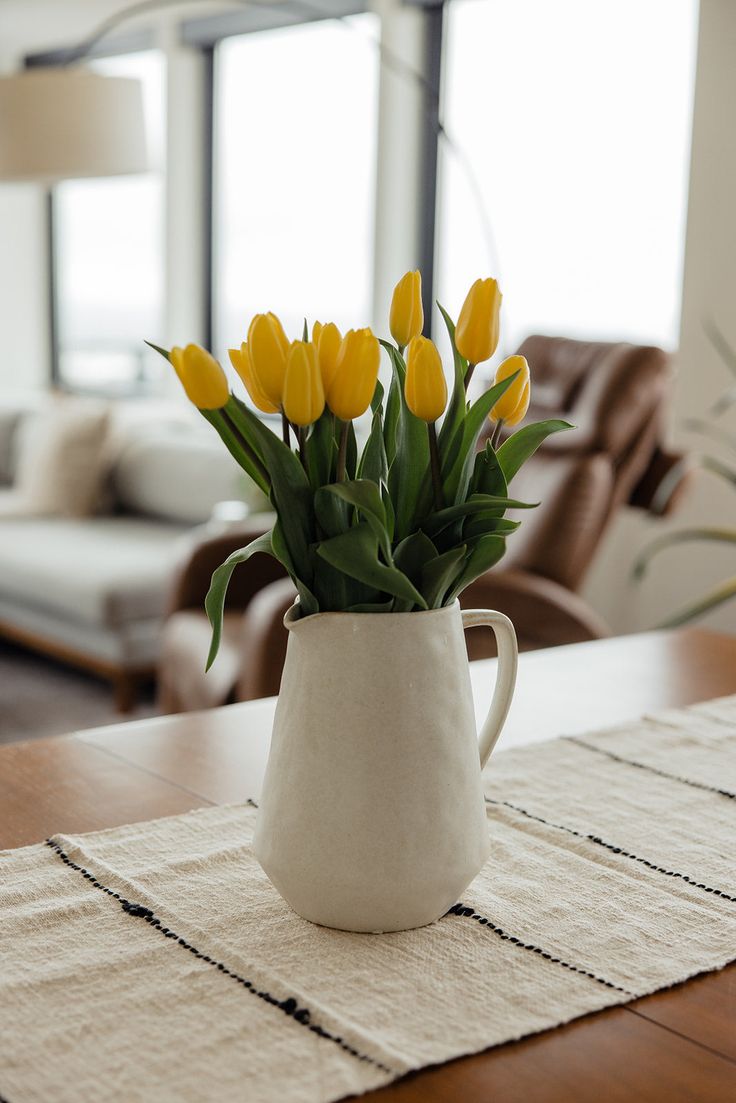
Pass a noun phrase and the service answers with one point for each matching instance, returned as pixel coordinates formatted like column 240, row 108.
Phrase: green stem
column 496, row 434
column 342, row 452
column 302, row 437
column 434, row 460
column 285, row 429
column 469, row 375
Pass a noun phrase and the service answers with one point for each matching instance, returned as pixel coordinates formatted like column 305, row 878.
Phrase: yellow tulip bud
column 201, row 376
column 327, row 339
column 407, row 313
column 426, row 386
column 241, row 361
column 476, row 333
column 268, row 346
column 514, row 402
column 356, row 374
column 304, row 396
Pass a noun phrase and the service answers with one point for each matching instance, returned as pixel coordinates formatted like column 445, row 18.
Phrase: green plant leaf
column 373, row 464
column 215, row 601
column 241, row 454
column 408, row 477
column 356, row 554
column 438, row 575
column 372, row 607
column 157, row 348
column 321, row 450
column 517, row 448
column 458, row 401
column 411, row 555
column 307, row 600
column 685, row 536
column 456, row 476
column 715, row 597
column 290, row 493
column 484, row 555
column 477, row 503
column 366, row 498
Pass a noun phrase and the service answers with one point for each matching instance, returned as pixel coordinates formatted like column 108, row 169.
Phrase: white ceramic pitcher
column 372, row 815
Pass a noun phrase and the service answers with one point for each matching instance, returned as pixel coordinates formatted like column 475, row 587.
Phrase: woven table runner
column 157, row 962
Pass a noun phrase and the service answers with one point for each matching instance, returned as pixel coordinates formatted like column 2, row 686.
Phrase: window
column 109, row 257
column 294, row 175
column 576, row 120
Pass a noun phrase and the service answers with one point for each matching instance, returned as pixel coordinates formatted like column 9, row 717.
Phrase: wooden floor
column 673, row 1047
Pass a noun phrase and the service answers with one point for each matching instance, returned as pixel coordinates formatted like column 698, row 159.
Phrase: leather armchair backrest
column 614, row 395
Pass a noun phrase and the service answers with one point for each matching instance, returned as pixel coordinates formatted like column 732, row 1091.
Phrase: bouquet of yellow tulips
column 414, row 517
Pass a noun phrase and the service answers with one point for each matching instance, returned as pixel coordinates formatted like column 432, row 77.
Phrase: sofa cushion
column 179, row 475
column 106, row 571
column 61, row 458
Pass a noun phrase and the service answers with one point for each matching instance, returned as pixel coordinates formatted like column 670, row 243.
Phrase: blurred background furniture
column 91, row 588
column 615, row 395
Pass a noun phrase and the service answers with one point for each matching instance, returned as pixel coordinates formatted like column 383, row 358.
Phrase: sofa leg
column 125, row 687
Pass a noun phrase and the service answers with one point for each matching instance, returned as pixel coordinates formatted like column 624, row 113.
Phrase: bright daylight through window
column 295, row 152
column 575, row 118
column 109, row 249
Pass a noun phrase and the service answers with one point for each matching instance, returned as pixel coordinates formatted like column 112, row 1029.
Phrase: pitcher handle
column 508, row 657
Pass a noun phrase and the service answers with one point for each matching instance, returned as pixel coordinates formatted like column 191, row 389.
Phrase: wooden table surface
column 678, row 1045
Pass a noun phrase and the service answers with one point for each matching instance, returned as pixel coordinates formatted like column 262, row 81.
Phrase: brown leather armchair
column 615, row 395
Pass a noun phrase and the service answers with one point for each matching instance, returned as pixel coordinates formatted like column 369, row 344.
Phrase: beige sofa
column 92, row 590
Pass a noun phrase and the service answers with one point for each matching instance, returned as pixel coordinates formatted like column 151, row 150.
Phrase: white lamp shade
column 60, row 123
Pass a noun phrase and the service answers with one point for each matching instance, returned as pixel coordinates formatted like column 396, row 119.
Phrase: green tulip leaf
column 412, row 555
column 366, row 498
column 321, row 450
column 157, row 348
column 477, row 503
column 518, row 448
column 373, row 464
column 356, row 554
column 291, row 493
column 458, row 400
column 458, row 467
column 408, row 477
column 238, row 449
column 438, row 575
column 484, row 555
column 372, row 607
column 214, row 603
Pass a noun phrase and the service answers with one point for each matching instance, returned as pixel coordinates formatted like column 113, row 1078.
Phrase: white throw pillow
column 62, row 458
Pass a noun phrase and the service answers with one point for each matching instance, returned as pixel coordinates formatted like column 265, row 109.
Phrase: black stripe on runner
column 614, row 849
column 651, row 769
column 470, row 913
column 289, row 1006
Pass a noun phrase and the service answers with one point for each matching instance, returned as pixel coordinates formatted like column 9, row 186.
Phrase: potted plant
column 372, row 815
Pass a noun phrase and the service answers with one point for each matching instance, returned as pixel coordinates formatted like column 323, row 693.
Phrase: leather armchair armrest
column 206, row 551
column 544, row 613
column 263, row 641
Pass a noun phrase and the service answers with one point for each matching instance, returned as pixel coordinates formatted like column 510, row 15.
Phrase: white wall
column 684, row 573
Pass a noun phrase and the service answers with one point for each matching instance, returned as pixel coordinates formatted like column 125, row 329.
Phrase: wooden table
column 679, row 1045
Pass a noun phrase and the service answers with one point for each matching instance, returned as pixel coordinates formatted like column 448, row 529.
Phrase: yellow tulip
column 304, row 396
column 513, row 404
column 268, row 346
column 241, row 361
column 201, row 376
column 476, row 333
column 426, row 387
column 407, row 313
column 356, row 374
column 327, row 340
